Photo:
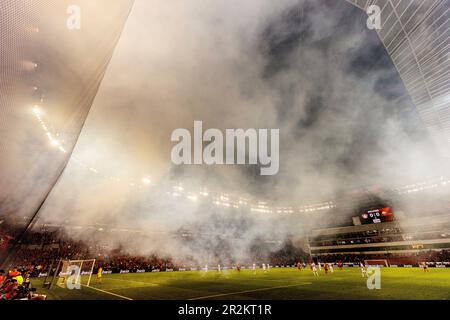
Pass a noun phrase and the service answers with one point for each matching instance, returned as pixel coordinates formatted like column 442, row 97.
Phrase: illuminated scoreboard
column 377, row 215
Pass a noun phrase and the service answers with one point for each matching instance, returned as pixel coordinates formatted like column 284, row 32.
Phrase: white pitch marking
column 247, row 291
column 104, row 291
column 145, row 284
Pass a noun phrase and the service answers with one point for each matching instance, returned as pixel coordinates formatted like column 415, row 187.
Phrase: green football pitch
column 282, row 283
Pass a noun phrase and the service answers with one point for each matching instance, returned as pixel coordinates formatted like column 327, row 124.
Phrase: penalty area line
column 248, row 291
column 107, row 292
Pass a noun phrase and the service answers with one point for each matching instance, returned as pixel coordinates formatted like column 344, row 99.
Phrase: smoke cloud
column 309, row 68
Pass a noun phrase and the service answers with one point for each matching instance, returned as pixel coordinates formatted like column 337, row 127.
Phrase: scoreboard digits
column 377, row 215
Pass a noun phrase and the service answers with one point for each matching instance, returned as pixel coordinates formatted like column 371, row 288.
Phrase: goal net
column 73, row 273
column 377, row 262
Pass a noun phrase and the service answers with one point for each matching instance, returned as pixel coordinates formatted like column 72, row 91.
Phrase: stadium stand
column 401, row 242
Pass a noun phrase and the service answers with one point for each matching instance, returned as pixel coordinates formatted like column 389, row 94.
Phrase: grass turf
column 283, row 283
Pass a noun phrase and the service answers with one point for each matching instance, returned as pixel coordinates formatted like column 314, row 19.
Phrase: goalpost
column 78, row 271
column 376, row 262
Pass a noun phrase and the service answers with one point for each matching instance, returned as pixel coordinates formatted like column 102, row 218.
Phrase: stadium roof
column 416, row 34
column 46, row 66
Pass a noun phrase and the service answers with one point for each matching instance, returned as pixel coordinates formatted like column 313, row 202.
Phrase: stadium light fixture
column 36, row 110
column 146, row 180
column 192, row 197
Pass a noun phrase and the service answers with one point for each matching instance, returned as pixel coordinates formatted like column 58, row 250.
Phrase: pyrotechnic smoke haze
column 310, row 68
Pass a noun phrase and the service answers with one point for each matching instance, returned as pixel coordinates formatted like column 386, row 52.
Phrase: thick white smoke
column 309, row 68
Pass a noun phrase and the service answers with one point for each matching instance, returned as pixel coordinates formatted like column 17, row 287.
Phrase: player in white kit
column 218, row 268
column 254, row 268
column 331, row 268
column 363, row 269
column 314, row 269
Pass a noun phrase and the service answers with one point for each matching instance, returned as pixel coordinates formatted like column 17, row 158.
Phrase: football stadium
column 225, row 150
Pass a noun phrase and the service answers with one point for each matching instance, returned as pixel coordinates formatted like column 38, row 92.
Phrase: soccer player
column 363, row 270
column 264, row 267
column 299, row 266
column 314, row 270
column 331, row 268
column 206, row 268
column 325, row 267
column 218, row 268
column 425, row 267
column 254, row 268
column 99, row 274
column 238, row 267
column 320, row 266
